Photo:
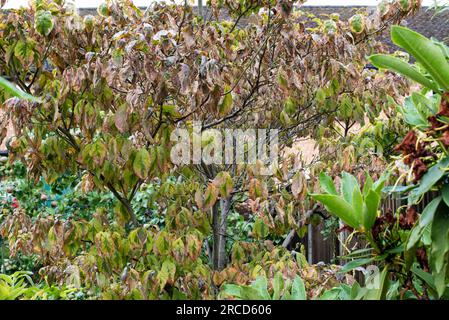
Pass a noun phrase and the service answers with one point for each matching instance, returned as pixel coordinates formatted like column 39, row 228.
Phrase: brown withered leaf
column 444, row 105
column 121, row 119
column 411, row 216
column 184, row 79
column 445, row 138
column 419, row 169
column 299, row 185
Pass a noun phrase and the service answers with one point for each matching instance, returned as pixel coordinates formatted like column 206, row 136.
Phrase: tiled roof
column 425, row 22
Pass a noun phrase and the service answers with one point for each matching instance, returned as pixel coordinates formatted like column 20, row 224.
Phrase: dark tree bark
column 219, row 222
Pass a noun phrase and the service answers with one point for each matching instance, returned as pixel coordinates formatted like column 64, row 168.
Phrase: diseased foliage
column 112, row 88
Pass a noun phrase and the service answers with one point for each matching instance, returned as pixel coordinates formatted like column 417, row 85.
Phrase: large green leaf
column 429, row 180
column 370, row 208
column 367, row 185
column 440, row 248
column 425, row 52
column 332, row 294
column 298, row 289
column 358, row 204
column 355, row 264
column 445, row 194
column 348, row 184
column 400, row 66
column 259, row 290
column 426, row 106
column 232, row 290
column 425, row 276
column 339, row 207
column 425, row 219
column 378, row 186
column 327, row 184
column 413, row 115
column 11, row 89
column 381, row 286
column 278, row 285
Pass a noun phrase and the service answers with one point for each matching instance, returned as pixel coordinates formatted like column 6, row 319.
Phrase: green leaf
column 380, row 292
column 379, row 184
column 166, row 274
column 425, row 52
column 445, row 194
column 370, row 209
column 348, row 184
column 238, row 254
column 440, row 247
column 261, row 286
column 260, row 229
column 400, row 66
column 339, row 207
column 425, row 276
column 12, row 90
column 327, row 184
column 367, row 185
column 43, row 22
column 290, row 107
column 357, row 204
column 298, row 289
column 24, row 51
column 355, row 264
column 320, row 95
column 429, row 180
column 278, row 285
column 226, row 106
column 142, row 163
column 332, row 294
column 426, row 106
column 232, row 290
column 258, row 290
column 413, row 115
column 425, row 219
column 162, row 243
column 210, row 196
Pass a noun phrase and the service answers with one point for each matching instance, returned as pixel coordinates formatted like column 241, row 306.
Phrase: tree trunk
column 131, row 213
column 126, row 203
column 219, row 222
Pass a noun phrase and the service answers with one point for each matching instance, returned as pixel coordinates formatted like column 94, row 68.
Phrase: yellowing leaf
column 43, row 22
column 260, row 229
column 142, row 164
column 24, row 51
column 299, row 186
column 210, row 196
column 162, row 244
column 199, row 199
column 166, row 274
column 226, row 106
column 225, row 184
